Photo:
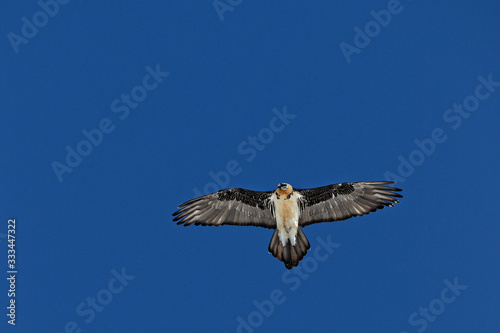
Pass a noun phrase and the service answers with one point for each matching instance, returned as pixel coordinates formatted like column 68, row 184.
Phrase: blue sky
column 114, row 113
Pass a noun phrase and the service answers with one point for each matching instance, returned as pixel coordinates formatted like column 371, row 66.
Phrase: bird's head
column 284, row 189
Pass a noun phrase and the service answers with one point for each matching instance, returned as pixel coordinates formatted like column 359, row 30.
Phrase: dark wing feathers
column 336, row 202
column 234, row 206
column 344, row 200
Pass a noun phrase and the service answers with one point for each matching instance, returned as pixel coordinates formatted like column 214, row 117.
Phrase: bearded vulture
column 286, row 210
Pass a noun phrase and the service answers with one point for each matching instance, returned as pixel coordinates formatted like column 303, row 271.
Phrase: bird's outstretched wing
column 235, row 206
column 344, row 200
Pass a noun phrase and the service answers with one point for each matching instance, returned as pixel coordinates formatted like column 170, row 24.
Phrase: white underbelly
column 287, row 219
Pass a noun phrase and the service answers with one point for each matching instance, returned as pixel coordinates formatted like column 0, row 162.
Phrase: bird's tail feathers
column 289, row 254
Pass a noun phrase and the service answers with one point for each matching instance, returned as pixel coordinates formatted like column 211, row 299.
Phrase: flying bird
column 287, row 210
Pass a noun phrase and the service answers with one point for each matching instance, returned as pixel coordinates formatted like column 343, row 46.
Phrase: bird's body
column 287, row 213
column 287, row 210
